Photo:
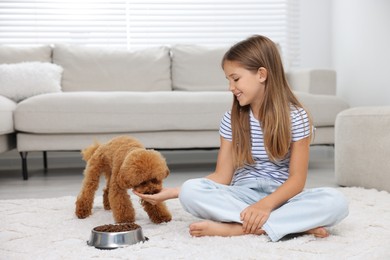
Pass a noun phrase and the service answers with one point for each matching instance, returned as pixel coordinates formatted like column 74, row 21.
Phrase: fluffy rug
column 48, row 229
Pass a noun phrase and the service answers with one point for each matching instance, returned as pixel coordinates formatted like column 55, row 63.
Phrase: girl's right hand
column 164, row 194
column 254, row 217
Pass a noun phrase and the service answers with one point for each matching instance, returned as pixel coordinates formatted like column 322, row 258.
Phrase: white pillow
column 22, row 80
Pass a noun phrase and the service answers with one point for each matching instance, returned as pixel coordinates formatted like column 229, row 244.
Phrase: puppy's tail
column 89, row 151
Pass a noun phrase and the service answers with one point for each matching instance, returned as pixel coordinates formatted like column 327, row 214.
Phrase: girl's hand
column 254, row 217
column 164, row 194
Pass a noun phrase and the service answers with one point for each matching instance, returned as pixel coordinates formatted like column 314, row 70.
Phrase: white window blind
column 141, row 23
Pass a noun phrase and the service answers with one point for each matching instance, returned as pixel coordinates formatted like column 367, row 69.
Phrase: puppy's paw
column 160, row 217
column 83, row 210
column 82, row 213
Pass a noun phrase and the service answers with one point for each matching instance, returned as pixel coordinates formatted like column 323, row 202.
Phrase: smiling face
column 247, row 86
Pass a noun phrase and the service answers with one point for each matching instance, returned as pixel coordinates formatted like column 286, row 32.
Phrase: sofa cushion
column 198, row 68
column 14, row 54
column 108, row 69
column 22, row 80
column 118, row 112
column 7, row 107
column 121, row 112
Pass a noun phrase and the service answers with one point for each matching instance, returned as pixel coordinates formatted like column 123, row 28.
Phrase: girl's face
column 247, row 86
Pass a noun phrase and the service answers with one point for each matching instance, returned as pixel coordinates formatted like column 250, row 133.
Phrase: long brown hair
column 274, row 115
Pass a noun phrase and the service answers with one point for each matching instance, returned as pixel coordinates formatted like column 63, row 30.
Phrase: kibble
column 117, row 227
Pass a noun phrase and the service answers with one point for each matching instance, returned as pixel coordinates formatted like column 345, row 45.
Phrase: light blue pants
column 319, row 207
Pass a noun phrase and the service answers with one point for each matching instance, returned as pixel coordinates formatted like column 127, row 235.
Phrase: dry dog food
column 117, row 227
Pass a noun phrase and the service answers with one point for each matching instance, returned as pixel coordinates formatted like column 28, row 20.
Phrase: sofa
column 64, row 97
column 7, row 133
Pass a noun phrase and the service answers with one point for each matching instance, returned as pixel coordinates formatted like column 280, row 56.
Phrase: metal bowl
column 113, row 240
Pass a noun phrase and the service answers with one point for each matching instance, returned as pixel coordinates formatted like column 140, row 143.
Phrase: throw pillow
column 22, row 80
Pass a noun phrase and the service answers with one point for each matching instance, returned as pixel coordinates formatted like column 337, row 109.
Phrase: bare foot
column 211, row 228
column 318, row 232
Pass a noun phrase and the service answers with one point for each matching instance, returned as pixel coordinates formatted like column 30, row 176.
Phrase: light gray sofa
column 169, row 98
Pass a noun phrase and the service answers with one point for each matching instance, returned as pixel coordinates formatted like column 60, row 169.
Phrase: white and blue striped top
column 263, row 167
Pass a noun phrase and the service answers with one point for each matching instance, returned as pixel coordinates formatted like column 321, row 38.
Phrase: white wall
column 315, row 28
column 352, row 37
column 361, row 50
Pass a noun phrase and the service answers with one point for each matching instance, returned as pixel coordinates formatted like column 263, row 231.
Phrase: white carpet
column 48, row 229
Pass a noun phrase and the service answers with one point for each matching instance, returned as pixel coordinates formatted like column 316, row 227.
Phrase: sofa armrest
column 313, row 81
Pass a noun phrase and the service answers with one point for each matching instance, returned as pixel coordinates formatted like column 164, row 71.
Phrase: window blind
column 142, row 23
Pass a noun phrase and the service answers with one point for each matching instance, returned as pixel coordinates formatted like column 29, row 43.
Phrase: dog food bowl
column 111, row 236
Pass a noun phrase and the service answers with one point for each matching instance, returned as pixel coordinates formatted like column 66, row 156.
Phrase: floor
column 64, row 174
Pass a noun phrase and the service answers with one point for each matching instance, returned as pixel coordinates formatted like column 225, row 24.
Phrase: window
column 141, row 23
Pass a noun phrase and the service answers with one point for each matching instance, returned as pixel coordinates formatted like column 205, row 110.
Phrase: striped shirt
column 263, row 166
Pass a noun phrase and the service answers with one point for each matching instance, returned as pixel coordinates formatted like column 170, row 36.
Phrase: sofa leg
column 23, row 155
column 45, row 161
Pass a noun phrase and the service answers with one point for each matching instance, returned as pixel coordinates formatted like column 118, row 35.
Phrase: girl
column 258, row 183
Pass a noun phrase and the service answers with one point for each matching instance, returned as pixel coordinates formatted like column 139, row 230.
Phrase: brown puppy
column 126, row 164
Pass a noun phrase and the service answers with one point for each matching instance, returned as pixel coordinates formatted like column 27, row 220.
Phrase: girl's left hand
column 254, row 217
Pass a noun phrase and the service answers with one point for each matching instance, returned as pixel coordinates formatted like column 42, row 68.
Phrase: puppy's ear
column 141, row 165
